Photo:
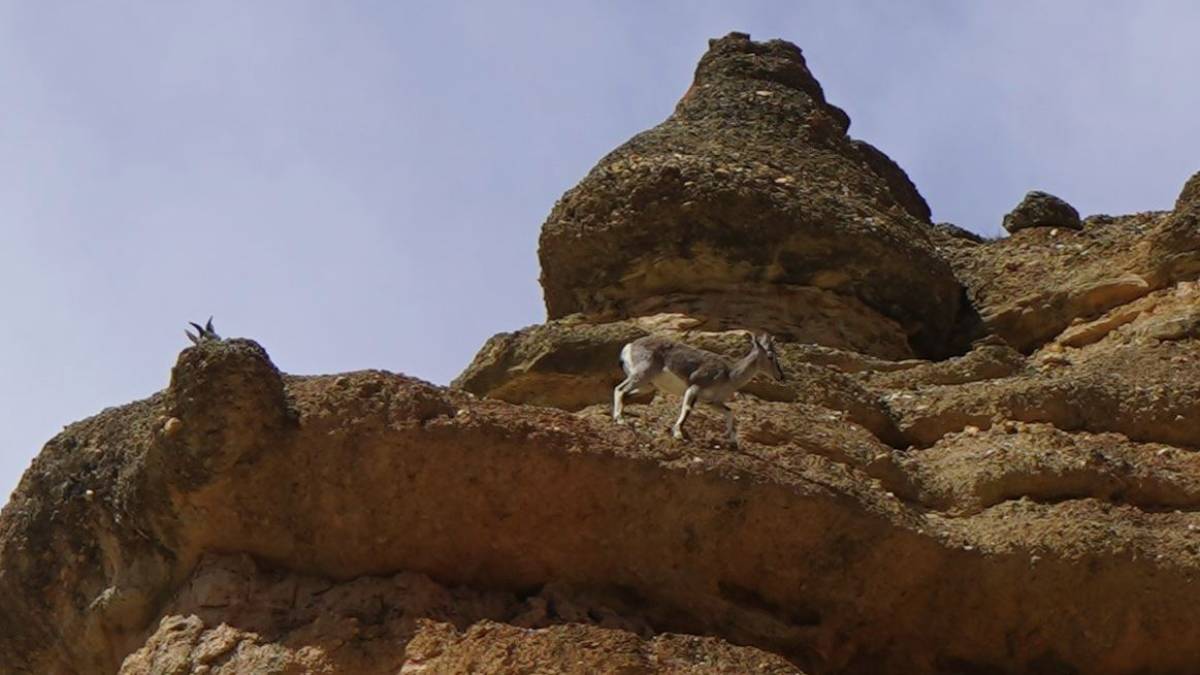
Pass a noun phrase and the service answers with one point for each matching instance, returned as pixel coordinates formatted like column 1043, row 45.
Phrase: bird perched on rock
column 203, row 333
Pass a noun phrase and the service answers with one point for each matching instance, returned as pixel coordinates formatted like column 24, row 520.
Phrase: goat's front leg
column 689, row 400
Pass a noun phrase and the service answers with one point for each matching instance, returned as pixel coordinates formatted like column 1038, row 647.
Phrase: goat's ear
column 194, row 338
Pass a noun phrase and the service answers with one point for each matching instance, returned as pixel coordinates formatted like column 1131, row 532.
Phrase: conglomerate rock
column 1023, row 498
column 751, row 183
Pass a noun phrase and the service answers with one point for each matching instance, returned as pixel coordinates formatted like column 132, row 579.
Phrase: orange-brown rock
column 811, row 543
column 1134, row 376
column 1023, row 498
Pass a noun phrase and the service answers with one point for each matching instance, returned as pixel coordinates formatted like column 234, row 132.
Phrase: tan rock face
column 809, row 543
column 1131, row 371
column 1028, row 504
column 1031, row 286
column 232, row 616
column 752, row 182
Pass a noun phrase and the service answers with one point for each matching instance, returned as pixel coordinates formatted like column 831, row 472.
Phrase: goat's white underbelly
column 670, row 383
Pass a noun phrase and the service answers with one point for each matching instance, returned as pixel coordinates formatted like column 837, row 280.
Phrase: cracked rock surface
column 984, row 458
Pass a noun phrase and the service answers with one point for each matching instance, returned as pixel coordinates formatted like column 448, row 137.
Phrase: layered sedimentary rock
column 1031, row 286
column 817, row 543
column 235, row 616
column 1024, row 497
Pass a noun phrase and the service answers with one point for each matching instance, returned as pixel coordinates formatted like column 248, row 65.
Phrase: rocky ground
column 983, row 458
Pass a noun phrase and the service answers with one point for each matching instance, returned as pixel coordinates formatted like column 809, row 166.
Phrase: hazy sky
column 361, row 184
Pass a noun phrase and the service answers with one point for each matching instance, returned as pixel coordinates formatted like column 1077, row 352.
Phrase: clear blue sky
column 360, row 184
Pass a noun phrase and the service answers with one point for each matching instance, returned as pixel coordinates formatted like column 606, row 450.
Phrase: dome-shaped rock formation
column 751, row 188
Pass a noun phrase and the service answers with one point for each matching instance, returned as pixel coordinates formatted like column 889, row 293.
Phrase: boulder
column 1041, row 209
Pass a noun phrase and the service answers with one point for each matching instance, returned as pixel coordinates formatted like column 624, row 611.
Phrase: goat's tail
column 626, row 358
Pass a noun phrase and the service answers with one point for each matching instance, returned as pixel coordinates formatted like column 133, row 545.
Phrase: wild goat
column 695, row 374
column 203, row 333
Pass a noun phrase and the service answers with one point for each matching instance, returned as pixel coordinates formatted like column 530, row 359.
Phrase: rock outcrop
column 1031, row 286
column 1189, row 196
column 1040, row 209
column 752, row 194
column 983, row 460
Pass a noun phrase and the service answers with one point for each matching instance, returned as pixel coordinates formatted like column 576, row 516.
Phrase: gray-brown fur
column 694, row 374
column 203, row 333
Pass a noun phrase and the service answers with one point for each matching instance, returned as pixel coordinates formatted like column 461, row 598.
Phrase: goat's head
column 767, row 358
column 203, row 333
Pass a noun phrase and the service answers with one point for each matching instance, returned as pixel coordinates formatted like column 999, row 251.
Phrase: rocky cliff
column 983, row 459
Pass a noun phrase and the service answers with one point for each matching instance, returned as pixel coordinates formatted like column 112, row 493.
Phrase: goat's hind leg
column 627, row 386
